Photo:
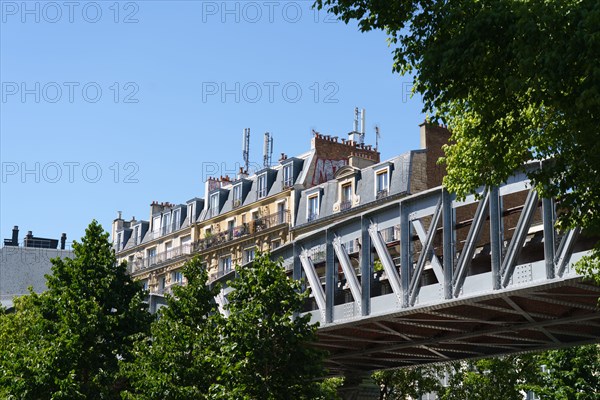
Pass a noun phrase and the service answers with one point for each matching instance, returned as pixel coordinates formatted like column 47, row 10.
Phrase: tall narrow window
column 136, row 233
column 382, row 184
column 176, row 219
column 237, row 195
column 346, row 197
column 214, row 204
column 119, row 239
column 281, row 214
column 165, row 224
column 262, row 186
column 288, row 177
column 313, row 207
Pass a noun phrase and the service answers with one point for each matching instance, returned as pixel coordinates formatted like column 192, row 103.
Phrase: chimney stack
column 15, row 236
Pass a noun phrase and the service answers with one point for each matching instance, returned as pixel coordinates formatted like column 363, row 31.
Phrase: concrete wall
column 21, row 267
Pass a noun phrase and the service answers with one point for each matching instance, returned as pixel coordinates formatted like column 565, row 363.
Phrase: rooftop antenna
column 377, row 136
column 355, row 120
column 362, row 123
column 267, row 150
column 246, row 149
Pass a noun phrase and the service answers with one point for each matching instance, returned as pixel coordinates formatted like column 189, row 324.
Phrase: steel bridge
column 428, row 278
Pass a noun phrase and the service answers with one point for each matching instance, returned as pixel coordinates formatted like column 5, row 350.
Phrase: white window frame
column 247, row 252
column 310, row 216
column 378, row 173
column 261, row 185
column 288, row 169
column 237, row 195
column 214, row 204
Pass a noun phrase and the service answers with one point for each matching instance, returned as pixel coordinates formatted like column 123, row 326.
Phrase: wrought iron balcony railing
column 246, row 229
column 159, row 258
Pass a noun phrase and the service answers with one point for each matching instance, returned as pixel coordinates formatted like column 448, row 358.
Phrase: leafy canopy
column 266, row 348
column 66, row 343
column 176, row 361
column 514, row 81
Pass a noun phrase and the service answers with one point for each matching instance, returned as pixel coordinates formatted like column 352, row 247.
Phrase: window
column 190, row 212
column 225, row 264
column 169, row 249
column 176, row 219
column 176, row 277
column 281, row 214
column 151, row 256
column 136, row 233
column 346, row 197
column 162, row 283
column 382, row 184
column 165, row 224
column 214, row 204
column 262, row 185
column 230, row 227
column 248, row 255
column 145, row 285
column 288, row 177
column 156, row 227
column 119, row 238
column 186, row 242
column 313, row 207
column 275, row 244
column 237, row 195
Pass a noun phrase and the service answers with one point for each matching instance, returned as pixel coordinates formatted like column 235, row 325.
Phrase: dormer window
column 136, row 234
column 237, row 195
column 382, row 183
column 214, row 204
column 313, row 207
column 176, row 219
column 119, row 241
column 288, row 176
column 165, row 224
column 262, row 186
column 346, row 201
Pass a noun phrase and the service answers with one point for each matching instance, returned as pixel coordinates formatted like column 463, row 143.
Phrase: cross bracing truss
column 482, row 276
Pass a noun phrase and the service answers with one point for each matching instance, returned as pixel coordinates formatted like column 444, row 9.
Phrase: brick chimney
column 433, row 137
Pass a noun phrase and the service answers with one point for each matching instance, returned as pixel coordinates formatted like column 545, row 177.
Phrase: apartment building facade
column 236, row 217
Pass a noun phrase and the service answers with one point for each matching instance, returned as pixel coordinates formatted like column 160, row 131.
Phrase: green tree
column 568, row 374
column 266, row 348
column 407, row 383
column 67, row 342
column 177, row 361
column 513, row 80
column 499, row 378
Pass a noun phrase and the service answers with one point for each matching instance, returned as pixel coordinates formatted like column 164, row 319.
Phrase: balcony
column 244, row 230
column 160, row 258
column 345, row 205
column 382, row 194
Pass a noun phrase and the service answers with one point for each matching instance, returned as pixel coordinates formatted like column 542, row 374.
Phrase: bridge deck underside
column 542, row 317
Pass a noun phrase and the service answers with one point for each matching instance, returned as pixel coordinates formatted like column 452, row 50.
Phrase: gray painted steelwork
column 461, row 280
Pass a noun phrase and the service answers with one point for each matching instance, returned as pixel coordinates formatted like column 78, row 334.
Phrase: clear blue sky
column 162, row 119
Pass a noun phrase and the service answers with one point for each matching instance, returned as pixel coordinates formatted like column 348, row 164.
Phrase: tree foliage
column 514, row 81
column 266, row 348
column 407, row 383
column 499, row 378
column 568, row 374
column 67, row 342
column 176, row 360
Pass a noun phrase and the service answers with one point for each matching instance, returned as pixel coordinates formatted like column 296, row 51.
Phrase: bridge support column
column 330, row 275
column 549, row 249
column 365, row 266
column 448, row 250
column 405, row 262
column 495, row 232
column 350, row 390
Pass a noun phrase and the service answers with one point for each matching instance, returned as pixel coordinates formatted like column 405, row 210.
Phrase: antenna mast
column 377, row 136
column 246, row 149
column 267, row 150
